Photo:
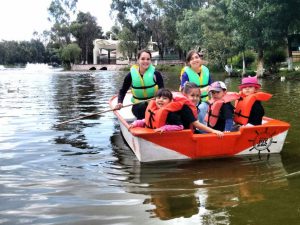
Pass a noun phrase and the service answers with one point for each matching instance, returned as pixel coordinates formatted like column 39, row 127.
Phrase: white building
column 107, row 49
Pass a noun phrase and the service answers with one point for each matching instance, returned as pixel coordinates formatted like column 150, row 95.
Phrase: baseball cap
column 217, row 86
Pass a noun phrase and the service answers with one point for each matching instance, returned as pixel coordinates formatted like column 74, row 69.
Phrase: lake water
column 84, row 173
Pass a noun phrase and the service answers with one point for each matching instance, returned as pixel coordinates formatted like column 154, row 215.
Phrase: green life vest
column 143, row 87
column 201, row 81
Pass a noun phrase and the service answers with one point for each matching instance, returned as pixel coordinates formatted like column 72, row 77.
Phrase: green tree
column 13, row 52
column 2, row 53
column 113, row 33
column 53, row 53
column 70, row 54
column 60, row 12
column 273, row 58
column 207, row 29
column 217, row 33
column 256, row 21
column 190, row 30
column 289, row 24
column 131, row 15
column 174, row 12
column 158, row 17
column 38, row 51
column 127, row 47
column 85, row 30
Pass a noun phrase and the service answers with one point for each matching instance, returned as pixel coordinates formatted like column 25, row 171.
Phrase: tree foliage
column 60, row 12
column 85, row 30
column 13, row 52
column 70, row 54
column 256, row 20
column 190, row 40
column 220, row 28
column 127, row 46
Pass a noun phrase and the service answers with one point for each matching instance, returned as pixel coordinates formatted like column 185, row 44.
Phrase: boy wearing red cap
column 248, row 109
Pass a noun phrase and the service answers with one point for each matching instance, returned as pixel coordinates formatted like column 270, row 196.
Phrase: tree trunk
column 244, row 64
column 160, row 52
column 289, row 54
column 260, row 63
column 180, row 54
column 108, row 56
column 86, row 53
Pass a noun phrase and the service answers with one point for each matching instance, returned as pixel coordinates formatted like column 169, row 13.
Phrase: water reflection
column 83, row 173
column 203, row 187
column 78, row 96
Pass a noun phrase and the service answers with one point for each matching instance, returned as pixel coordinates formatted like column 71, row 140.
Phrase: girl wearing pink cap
column 248, row 109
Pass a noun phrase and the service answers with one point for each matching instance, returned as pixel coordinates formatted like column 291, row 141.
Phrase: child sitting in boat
column 159, row 119
column 192, row 92
column 220, row 110
column 248, row 108
column 168, row 114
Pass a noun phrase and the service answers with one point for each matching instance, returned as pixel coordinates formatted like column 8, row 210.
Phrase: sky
column 20, row 18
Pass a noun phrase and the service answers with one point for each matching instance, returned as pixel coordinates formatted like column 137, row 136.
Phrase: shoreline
column 89, row 67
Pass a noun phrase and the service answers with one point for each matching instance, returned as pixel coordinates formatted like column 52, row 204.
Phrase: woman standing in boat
column 144, row 81
column 197, row 73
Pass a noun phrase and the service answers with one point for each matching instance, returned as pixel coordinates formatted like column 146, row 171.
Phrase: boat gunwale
column 144, row 132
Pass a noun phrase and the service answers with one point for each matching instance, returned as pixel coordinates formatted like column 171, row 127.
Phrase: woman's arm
column 184, row 78
column 125, row 87
column 159, row 79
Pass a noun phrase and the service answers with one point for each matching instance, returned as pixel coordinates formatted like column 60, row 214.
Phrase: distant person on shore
column 248, row 108
column 220, row 110
column 196, row 72
column 144, row 81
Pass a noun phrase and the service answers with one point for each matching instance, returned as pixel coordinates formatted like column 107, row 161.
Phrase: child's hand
column 137, row 123
column 220, row 134
column 130, row 126
column 159, row 130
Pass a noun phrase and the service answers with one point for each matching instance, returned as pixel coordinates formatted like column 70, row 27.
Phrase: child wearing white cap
column 220, row 112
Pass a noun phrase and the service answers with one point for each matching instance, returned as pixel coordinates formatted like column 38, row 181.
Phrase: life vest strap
column 240, row 114
column 202, row 86
column 146, row 98
column 151, row 119
column 144, row 87
column 212, row 115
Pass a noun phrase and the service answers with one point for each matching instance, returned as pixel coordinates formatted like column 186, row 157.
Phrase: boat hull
column 149, row 146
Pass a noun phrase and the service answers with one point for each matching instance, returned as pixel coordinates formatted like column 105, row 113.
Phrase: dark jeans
column 139, row 110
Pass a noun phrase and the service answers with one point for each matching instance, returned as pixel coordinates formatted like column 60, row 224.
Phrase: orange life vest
column 214, row 107
column 244, row 105
column 155, row 117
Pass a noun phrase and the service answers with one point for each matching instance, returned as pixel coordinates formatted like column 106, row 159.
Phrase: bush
column 237, row 61
column 273, row 58
column 239, row 73
column 70, row 53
